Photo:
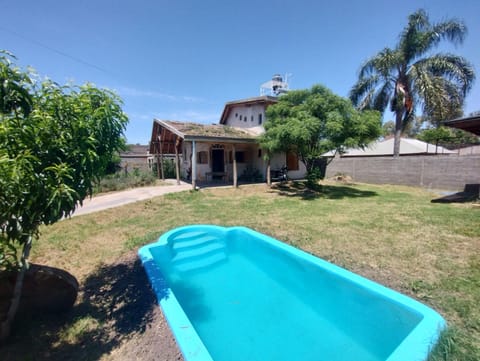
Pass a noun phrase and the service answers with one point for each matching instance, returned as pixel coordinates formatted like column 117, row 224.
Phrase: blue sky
column 182, row 60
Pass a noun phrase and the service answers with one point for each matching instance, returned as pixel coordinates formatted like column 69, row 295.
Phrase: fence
column 431, row 171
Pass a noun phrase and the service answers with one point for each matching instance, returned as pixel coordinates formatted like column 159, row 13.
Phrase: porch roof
column 188, row 131
column 470, row 124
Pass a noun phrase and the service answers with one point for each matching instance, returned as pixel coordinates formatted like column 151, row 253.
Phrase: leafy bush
column 121, row 180
column 168, row 168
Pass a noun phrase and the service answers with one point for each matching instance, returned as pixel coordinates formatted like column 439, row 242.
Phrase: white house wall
column 280, row 159
column 247, row 116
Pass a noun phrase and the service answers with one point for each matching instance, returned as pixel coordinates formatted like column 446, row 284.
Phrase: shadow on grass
column 301, row 190
column 115, row 304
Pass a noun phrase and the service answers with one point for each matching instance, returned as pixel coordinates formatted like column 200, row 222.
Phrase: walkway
column 115, row 199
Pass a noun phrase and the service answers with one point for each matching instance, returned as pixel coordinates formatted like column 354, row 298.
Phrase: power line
column 59, row 52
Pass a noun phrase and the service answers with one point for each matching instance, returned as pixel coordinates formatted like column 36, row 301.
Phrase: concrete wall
column 436, row 172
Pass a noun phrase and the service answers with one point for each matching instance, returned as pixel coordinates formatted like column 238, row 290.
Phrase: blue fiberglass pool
column 235, row 294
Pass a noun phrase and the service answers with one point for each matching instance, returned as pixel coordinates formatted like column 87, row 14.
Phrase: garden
column 391, row 234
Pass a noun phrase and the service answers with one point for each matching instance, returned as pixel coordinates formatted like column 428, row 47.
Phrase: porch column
column 194, row 164
column 177, row 160
column 161, row 155
column 269, row 176
column 234, row 167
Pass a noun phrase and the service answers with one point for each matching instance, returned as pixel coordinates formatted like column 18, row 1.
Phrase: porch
column 207, row 154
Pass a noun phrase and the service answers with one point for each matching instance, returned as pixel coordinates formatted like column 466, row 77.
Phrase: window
column 292, row 161
column 260, row 120
column 259, row 153
column 240, row 157
column 202, row 157
column 236, row 115
column 251, row 118
column 240, row 117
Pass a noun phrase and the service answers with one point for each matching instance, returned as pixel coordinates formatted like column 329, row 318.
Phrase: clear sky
column 183, row 59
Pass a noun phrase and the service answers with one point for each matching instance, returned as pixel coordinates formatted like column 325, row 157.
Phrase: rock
column 45, row 289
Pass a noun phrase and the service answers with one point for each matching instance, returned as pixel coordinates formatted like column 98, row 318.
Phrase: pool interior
column 248, row 298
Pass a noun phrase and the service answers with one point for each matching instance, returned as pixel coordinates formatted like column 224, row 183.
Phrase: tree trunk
column 6, row 324
column 398, row 134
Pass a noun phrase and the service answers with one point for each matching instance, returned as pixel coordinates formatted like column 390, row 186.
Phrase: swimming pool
column 233, row 294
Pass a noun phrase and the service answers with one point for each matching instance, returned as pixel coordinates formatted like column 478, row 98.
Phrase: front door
column 218, row 161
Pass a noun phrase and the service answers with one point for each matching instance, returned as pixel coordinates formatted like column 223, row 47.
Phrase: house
column 135, row 156
column 227, row 151
column 383, row 148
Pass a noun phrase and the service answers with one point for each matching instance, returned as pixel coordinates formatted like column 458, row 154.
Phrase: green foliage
column 409, row 75
column 436, row 135
column 447, row 136
column 314, row 121
column 14, row 95
column 168, row 168
column 51, row 152
column 120, row 181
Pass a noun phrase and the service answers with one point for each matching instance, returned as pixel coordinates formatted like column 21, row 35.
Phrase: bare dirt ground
column 116, row 318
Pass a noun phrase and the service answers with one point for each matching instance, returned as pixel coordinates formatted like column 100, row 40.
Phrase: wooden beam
column 177, row 159
column 157, row 156
column 161, row 155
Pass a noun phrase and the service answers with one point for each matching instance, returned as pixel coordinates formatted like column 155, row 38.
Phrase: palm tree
column 408, row 76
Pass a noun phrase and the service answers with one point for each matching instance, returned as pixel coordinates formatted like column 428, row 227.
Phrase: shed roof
column 470, row 124
column 408, row 146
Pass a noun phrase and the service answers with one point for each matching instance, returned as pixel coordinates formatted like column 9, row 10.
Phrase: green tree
column 436, row 136
column 408, row 76
column 51, row 154
column 314, row 121
column 452, row 138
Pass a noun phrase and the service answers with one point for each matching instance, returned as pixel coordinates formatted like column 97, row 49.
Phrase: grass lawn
column 390, row 234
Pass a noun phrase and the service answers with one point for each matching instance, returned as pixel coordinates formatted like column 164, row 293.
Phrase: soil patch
column 116, row 317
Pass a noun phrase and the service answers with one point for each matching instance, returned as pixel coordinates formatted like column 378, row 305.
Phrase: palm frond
column 382, row 64
column 452, row 67
column 410, row 39
column 452, row 30
column 420, row 36
column 382, row 97
column 362, row 88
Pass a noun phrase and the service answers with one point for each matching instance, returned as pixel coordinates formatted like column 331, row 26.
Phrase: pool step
column 193, row 242
column 198, row 252
column 195, row 250
column 187, row 236
column 199, row 263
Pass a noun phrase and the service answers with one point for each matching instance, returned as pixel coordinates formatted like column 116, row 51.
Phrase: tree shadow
column 306, row 191
column 114, row 304
column 471, row 193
